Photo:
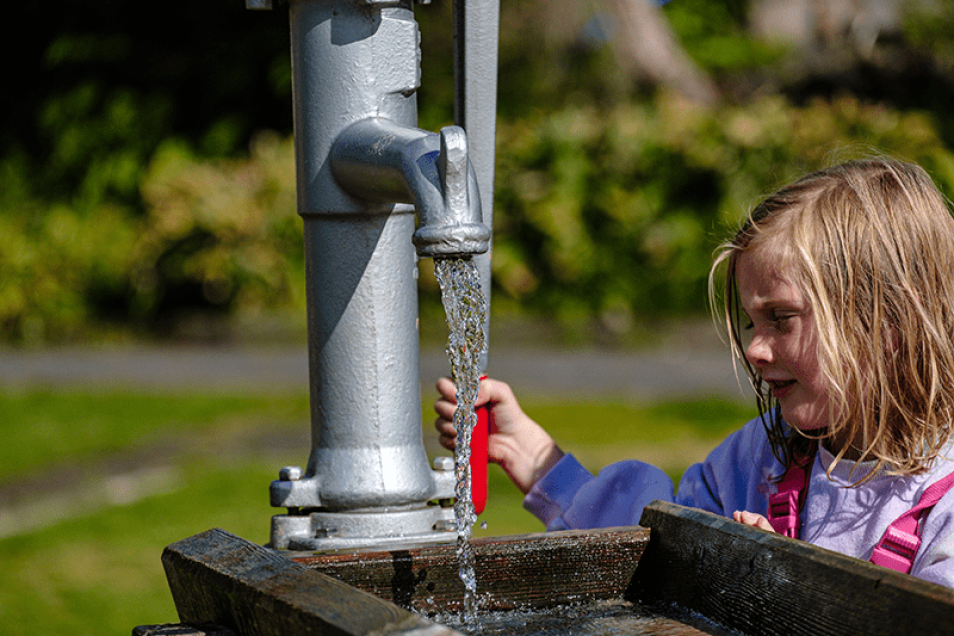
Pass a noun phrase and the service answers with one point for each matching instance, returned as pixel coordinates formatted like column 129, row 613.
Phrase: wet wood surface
column 574, row 582
column 217, row 577
column 525, row 571
column 595, row 618
column 182, row 629
column 761, row 583
column 691, row 573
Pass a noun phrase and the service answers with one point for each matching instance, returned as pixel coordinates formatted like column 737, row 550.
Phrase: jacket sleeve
column 569, row 496
column 733, row 477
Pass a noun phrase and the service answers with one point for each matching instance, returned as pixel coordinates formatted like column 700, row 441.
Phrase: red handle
column 478, row 458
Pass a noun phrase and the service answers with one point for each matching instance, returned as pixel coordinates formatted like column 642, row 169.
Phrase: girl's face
column 782, row 348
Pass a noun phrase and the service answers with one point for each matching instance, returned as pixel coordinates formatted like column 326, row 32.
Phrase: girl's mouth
column 780, row 388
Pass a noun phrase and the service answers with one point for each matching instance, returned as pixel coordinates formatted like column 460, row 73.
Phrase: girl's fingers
column 487, row 390
column 444, row 409
column 753, row 519
column 447, row 389
column 448, row 441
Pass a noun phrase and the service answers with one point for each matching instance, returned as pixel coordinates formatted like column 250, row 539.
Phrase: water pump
column 372, row 187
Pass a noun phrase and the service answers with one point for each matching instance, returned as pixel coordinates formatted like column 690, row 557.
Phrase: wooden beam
column 182, row 629
column 217, row 577
column 761, row 583
column 527, row 571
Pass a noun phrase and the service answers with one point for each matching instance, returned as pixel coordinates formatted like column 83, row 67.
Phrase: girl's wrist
column 550, row 459
column 547, row 458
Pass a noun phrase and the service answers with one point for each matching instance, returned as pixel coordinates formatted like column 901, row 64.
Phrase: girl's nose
column 759, row 352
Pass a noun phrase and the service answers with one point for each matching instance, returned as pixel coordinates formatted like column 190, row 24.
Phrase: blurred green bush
column 614, row 213
column 228, row 229
column 220, row 235
column 135, row 196
column 607, row 214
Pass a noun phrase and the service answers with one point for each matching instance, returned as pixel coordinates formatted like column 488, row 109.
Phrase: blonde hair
column 870, row 244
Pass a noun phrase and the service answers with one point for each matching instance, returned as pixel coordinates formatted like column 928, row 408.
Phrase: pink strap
column 784, row 506
column 900, row 542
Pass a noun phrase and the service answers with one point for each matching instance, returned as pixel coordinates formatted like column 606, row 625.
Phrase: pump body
column 371, row 187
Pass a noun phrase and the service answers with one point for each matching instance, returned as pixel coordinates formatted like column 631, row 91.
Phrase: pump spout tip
column 462, row 239
column 378, row 160
column 458, row 228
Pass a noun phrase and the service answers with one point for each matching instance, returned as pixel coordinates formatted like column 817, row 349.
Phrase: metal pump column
column 363, row 169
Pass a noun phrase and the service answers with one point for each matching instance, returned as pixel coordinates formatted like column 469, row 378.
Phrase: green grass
column 42, row 429
column 99, row 572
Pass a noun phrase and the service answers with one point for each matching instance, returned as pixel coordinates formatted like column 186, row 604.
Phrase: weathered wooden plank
column 764, row 584
column 595, row 618
column 182, row 629
column 526, row 571
column 217, row 577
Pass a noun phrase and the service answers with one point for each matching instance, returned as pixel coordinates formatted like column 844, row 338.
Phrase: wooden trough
column 680, row 572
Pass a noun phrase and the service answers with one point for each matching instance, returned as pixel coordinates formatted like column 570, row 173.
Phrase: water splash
column 609, row 617
column 466, row 309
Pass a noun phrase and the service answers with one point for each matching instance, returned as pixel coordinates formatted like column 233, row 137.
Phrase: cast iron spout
column 380, row 161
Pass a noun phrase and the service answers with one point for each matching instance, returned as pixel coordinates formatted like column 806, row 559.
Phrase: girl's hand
column 522, row 448
column 753, row 519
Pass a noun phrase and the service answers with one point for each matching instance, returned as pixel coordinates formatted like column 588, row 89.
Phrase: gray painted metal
column 363, row 169
column 476, row 29
column 380, row 161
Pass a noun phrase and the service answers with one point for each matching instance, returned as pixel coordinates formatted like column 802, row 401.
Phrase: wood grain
column 217, row 577
column 763, row 584
column 526, row 571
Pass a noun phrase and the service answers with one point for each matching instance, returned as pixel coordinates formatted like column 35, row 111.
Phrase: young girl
column 839, row 302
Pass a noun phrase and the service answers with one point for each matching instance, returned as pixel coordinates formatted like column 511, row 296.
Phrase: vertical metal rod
column 476, row 28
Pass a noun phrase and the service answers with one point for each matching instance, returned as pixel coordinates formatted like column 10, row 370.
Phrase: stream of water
column 466, row 310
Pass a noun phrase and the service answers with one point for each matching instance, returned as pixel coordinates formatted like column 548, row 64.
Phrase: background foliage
column 146, row 174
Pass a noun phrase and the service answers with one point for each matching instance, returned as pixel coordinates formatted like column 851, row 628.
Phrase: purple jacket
column 737, row 475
